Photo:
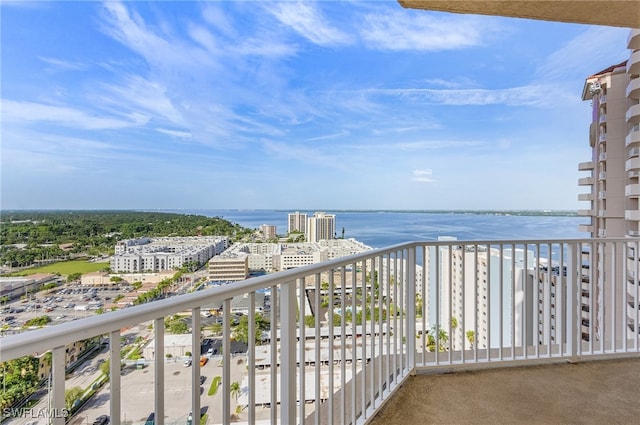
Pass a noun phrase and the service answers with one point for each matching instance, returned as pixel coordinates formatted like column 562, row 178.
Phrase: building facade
column 612, row 181
column 297, row 222
column 230, row 267
column 268, row 231
column 321, row 226
column 158, row 254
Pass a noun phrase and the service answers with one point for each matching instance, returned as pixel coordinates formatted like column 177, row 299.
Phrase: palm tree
column 234, row 389
column 471, row 336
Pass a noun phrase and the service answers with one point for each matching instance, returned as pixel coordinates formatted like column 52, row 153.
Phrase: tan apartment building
column 229, row 267
column 613, row 186
column 321, row 226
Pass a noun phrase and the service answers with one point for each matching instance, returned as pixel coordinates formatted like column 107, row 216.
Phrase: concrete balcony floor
column 597, row 392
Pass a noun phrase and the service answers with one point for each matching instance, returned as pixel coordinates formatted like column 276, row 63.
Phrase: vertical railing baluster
column 115, row 388
column 302, row 341
column 330, row 349
column 58, row 366
column 251, row 359
column 226, row 362
column 158, row 327
column 411, row 309
column 574, row 271
column 343, row 348
column 195, row 365
column 316, row 370
column 288, row 310
column 275, row 364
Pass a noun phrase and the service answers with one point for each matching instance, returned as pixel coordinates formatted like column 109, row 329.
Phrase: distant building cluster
column 242, row 259
column 165, row 253
column 316, row 228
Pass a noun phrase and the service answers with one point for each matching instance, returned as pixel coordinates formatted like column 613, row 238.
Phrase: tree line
column 30, row 237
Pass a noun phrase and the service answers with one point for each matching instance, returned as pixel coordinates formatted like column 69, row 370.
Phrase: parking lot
column 68, row 302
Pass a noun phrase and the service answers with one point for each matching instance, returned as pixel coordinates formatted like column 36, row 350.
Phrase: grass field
column 64, row 268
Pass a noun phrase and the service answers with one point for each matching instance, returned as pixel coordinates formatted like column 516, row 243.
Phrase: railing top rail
column 41, row 340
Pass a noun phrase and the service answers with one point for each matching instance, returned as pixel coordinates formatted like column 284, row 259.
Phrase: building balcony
column 585, row 197
column 633, row 136
column 633, row 113
column 603, row 137
column 632, row 164
column 633, row 41
column 633, row 152
column 586, row 181
column 633, row 89
column 586, row 166
column 588, row 213
column 586, row 228
column 633, row 215
column 632, row 190
column 602, row 118
column 602, row 156
column 349, row 336
column 633, row 64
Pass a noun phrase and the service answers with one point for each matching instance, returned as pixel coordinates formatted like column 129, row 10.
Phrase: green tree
column 241, row 331
column 234, row 389
column 176, row 325
column 443, row 339
column 310, row 321
column 71, row 395
column 73, row 277
column 471, row 337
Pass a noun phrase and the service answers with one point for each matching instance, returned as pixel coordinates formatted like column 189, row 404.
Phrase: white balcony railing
column 346, row 333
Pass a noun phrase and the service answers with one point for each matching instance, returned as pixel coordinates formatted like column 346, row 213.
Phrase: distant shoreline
column 533, row 213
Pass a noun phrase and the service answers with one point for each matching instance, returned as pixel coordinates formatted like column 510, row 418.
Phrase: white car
column 187, row 363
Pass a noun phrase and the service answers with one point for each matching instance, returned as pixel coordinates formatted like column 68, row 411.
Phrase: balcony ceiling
column 625, row 13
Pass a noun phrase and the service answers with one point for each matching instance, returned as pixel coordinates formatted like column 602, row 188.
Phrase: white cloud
column 63, row 65
column 305, row 19
column 591, row 50
column 142, row 95
column 531, row 95
column 422, row 176
column 26, row 112
column 400, row 30
column 175, row 133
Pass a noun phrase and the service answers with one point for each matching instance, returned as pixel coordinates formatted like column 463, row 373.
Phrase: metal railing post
column 57, row 384
column 574, row 271
column 411, row 309
column 288, row 308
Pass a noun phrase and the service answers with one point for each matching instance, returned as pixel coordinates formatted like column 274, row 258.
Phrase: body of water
column 384, row 228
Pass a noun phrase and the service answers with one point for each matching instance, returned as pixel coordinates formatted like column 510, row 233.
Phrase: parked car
column 187, row 363
column 101, row 420
column 203, row 360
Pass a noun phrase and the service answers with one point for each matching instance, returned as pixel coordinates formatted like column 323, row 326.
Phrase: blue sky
column 323, row 105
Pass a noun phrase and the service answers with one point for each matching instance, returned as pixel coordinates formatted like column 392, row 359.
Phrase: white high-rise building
column 466, row 279
column 297, row 222
column 321, row 226
column 613, row 182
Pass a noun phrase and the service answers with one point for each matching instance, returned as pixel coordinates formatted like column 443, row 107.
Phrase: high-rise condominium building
column 297, row 222
column 613, row 186
column 465, row 279
column 268, row 231
column 320, row 227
